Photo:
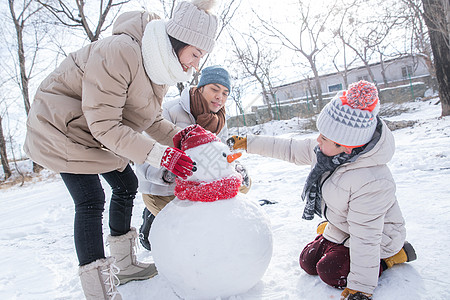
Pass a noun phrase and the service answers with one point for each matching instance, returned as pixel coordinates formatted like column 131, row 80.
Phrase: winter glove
column 349, row 294
column 173, row 159
column 243, row 171
column 321, row 227
column 177, row 162
column 168, row 177
column 237, row 142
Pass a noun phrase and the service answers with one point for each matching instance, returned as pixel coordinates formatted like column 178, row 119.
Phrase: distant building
column 398, row 71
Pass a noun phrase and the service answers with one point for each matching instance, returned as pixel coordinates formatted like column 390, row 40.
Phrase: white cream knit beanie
column 193, row 24
column 350, row 118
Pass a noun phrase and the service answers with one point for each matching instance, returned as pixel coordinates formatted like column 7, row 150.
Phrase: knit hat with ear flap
column 193, row 136
column 350, row 118
column 193, row 24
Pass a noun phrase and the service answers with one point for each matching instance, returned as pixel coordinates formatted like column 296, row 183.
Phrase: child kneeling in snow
column 352, row 187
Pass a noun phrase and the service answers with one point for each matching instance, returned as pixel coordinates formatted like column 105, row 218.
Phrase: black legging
column 89, row 198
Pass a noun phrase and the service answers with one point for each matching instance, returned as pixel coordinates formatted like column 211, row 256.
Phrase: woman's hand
column 177, row 162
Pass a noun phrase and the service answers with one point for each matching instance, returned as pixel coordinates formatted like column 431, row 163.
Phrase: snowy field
column 38, row 261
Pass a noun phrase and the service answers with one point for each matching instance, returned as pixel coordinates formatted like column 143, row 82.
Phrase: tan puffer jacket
column 88, row 114
column 359, row 203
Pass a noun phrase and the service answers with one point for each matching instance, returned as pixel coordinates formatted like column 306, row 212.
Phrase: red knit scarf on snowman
column 221, row 189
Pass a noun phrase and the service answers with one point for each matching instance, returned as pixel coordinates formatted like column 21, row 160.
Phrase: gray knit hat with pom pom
column 350, row 118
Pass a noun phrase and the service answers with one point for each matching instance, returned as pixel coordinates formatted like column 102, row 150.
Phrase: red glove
column 177, row 162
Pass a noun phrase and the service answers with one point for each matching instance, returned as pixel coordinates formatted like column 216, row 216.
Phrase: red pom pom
column 362, row 95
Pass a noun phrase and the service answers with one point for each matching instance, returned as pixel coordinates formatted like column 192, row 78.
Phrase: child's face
column 330, row 148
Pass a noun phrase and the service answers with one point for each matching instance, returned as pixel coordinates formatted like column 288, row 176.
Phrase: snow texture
column 38, row 259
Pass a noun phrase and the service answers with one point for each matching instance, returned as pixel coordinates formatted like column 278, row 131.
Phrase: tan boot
column 123, row 250
column 99, row 280
column 406, row 254
column 321, row 227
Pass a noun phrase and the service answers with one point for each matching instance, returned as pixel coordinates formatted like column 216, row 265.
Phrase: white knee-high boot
column 99, row 280
column 123, row 250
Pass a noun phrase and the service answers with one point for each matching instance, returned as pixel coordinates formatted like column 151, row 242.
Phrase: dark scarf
column 213, row 122
column 313, row 189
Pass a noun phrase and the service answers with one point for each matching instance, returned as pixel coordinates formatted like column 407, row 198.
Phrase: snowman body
column 213, row 249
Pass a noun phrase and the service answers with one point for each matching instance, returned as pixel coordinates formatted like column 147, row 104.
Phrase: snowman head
column 213, row 158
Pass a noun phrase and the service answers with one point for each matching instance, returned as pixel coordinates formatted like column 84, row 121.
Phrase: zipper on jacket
column 326, row 207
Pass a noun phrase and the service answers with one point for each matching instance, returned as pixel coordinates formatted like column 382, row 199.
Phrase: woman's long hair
column 177, row 45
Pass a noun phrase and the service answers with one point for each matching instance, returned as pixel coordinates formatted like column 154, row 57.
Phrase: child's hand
column 349, row 294
column 243, row 171
column 237, row 142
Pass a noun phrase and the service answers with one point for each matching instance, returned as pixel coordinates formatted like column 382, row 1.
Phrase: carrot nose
column 233, row 157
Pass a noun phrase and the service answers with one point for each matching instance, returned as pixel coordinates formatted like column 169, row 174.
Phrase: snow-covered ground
column 38, row 261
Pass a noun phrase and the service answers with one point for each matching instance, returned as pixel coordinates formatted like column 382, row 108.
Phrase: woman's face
column 190, row 56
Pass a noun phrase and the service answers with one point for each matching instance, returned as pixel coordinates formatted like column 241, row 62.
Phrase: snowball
column 210, row 250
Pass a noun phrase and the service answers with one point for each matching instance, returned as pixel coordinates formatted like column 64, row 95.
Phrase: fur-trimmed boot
column 123, row 249
column 99, row 280
column 406, row 254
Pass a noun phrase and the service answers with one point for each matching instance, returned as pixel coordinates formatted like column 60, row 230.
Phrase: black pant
column 89, row 198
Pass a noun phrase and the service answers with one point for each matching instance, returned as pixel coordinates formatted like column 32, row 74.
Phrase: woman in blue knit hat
column 203, row 105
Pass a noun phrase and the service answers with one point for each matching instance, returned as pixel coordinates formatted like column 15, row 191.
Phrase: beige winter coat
column 358, row 201
column 88, row 114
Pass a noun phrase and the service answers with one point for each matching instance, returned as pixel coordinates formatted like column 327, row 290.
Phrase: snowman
column 210, row 242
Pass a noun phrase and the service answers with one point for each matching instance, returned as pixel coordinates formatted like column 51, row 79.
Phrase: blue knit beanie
column 215, row 74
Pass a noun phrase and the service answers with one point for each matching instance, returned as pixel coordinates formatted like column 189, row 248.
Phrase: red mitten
column 177, row 162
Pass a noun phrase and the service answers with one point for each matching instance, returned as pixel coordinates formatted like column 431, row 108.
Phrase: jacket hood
column 381, row 153
column 133, row 23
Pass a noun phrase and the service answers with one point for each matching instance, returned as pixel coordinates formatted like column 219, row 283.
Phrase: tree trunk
column 267, row 100
column 317, row 83
column 435, row 12
column 383, row 71
column 3, row 154
column 21, row 55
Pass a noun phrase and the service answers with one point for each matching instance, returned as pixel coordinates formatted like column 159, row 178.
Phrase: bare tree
column 21, row 15
column 368, row 37
column 3, row 152
column 257, row 61
column 341, row 48
column 437, row 17
column 419, row 40
column 77, row 16
column 310, row 45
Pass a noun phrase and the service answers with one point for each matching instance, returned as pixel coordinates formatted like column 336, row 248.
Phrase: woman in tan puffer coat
column 351, row 186
column 87, row 119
